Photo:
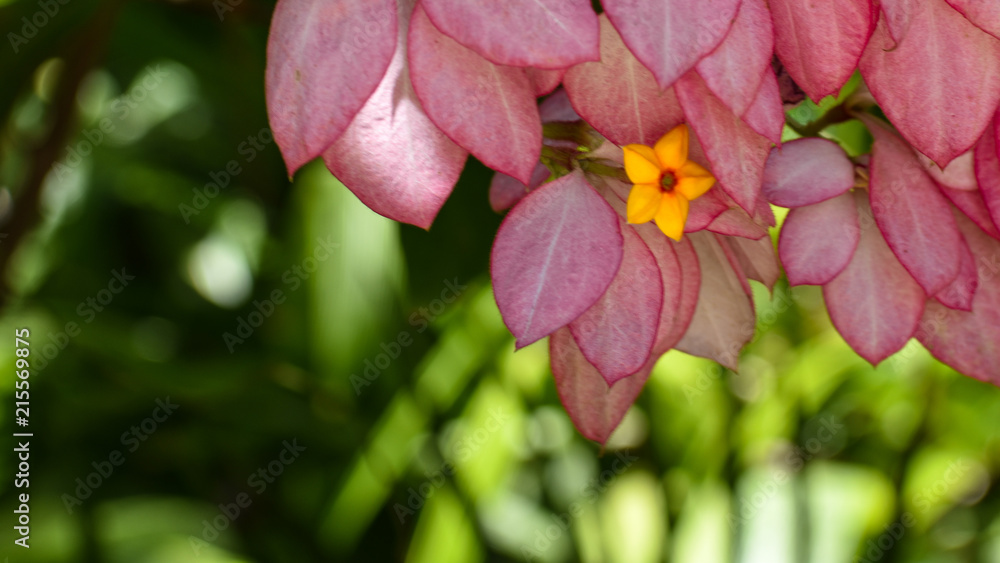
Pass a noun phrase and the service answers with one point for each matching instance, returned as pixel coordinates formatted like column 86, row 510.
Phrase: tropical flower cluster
column 640, row 186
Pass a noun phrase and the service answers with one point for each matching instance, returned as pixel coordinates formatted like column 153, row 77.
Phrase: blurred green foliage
column 378, row 348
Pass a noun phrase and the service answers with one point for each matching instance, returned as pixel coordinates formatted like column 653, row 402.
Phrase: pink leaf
column 705, row 209
column 939, row 86
column 819, row 43
column 960, row 292
column 392, row 157
column 538, row 33
column 735, row 222
column 489, row 110
column 970, row 341
column 690, row 289
column 324, row 59
column 756, row 258
column 557, row 107
column 971, row 203
column 616, row 334
column 542, row 81
column 898, row 15
column 506, row 191
column 619, row 97
column 873, row 302
column 671, row 36
column 766, row 115
column 960, row 174
column 817, row 241
column 677, row 308
column 987, row 164
column 735, row 151
column 554, row 256
column 734, row 263
column 985, row 14
column 911, row 212
column 595, row 407
column 734, row 70
column 724, row 316
column 763, row 214
column 806, row 171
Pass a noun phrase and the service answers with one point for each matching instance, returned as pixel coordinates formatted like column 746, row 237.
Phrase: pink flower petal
column 671, row 36
column 756, row 258
column 619, row 97
column 819, row 43
column 316, row 78
column 616, row 334
column 985, row 14
column 489, row 110
column 724, row 316
column 766, row 115
column 806, row 171
column 960, row 292
column 734, row 70
column 554, row 256
column 392, row 157
column 506, row 191
column 817, row 241
column 970, row 341
column 960, row 174
column 735, row 151
column 987, row 164
column 538, row 33
column 543, row 82
column 971, row 203
column 874, row 303
column 595, row 408
column 939, row 86
column 911, row 212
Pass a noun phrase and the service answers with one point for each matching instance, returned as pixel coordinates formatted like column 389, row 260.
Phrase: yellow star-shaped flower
column 664, row 182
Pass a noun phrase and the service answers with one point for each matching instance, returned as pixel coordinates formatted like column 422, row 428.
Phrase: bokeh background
column 378, row 348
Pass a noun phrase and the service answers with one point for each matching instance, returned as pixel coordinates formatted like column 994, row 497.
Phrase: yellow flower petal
column 694, row 186
column 691, row 168
column 672, row 148
column 641, row 164
column 643, row 203
column 672, row 215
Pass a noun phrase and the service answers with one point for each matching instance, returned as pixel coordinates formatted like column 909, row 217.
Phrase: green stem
column 595, row 167
column 836, row 114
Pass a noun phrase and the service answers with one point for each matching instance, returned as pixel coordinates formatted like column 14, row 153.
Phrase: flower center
column 667, row 181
